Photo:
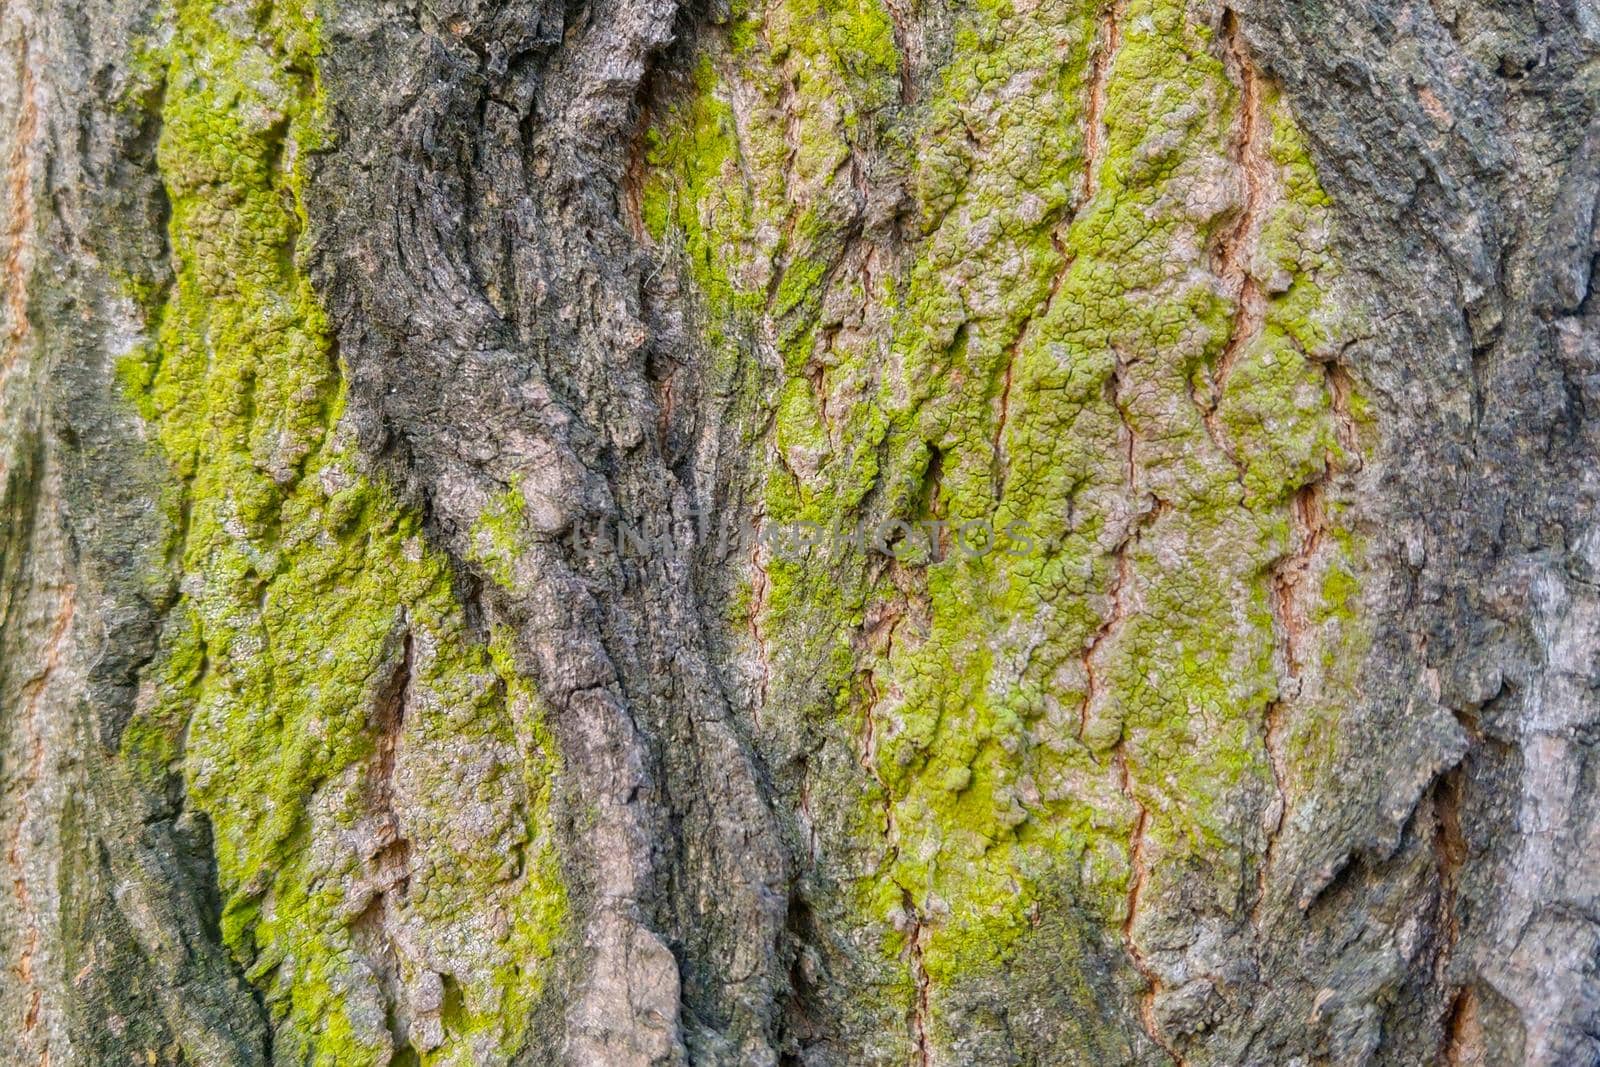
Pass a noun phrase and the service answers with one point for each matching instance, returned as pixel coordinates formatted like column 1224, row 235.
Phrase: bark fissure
column 1107, row 43
column 916, row 926
column 908, row 45
column 1001, row 465
column 1451, row 853
column 19, row 170
column 1152, row 508
column 921, row 1015
column 1116, row 615
column 1307, row 528
column 1138, row 873
column 32, row 694
column 1463, row 1034
column 759, row 585
column 1236, row 248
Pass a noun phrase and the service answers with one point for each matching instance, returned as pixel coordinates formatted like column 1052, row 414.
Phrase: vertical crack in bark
column 1237, row 245
column 807, row 817
column 1273, row 741
column 630, row 191
column 645, row 728
column 386, row 853
column 1122, row 563
column 759, row 585
column 1308, row 529
column 1340, row 386
column 1119, row 581
column 920, row 1015
column 33, row 732
column 816, row 374
column 1462, row 1034
column 793, row 135
column 390, row 859
column 1001, row 460
column 1207, row 407
column 1108, row 43
column 916, row 925
column 908, row 45
column 1450, row 846
column 869, row 763
column 1117, row 614
column 789, row 107
column 19, row 223
column 891, row 840
column 1138, row 874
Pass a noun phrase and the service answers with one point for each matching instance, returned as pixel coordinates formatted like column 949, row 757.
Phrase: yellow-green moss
column 498, row 535
column 310, row 602
column 996, row 372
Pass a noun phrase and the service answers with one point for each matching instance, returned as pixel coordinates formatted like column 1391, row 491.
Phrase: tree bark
column 858, row 532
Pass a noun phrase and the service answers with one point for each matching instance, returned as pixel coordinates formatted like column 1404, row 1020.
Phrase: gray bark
column 1433, row 894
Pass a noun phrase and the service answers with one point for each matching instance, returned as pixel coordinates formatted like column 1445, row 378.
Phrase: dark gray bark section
column 1459, row 142
column 491, row 308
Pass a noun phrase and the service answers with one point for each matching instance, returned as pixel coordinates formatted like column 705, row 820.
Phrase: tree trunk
column 862, row 532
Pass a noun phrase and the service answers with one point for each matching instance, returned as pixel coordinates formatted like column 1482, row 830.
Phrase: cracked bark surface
column 331, row 333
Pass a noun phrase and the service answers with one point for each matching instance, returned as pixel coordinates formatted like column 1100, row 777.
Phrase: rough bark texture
column 415, row 422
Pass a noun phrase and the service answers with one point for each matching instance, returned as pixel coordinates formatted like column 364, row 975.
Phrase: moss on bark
column 376, row 773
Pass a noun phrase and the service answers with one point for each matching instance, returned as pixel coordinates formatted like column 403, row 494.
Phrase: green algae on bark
column 1112, row 322
column 376, row 776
